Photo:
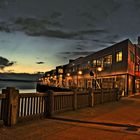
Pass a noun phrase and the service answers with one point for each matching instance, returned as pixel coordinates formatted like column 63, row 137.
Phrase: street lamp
column 94, row 74
column 79, row 73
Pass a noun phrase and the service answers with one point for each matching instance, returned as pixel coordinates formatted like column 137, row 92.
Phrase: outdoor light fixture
column 94, row 74
column 80, row 72
column 99, row 69
column 68, row 74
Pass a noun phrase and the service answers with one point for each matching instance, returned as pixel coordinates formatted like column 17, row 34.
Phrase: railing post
column 91, row 98
column 49, row 104
column 75, row 100
column 102, row 96
column 10, row 115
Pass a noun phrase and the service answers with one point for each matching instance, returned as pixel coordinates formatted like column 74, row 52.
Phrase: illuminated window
column 99, row 62
column 108, row 60
column 60, row 71
column 119, row 56
column 94, row 63
column 137, row 68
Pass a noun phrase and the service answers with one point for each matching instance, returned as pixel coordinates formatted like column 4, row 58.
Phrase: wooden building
column 114, row 66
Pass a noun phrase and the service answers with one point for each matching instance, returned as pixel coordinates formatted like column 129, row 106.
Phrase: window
column 107, row 60
column 99, row 62
column 94, row 63
column 137, row 68
column 132, row 58
column 60, row 71
column 119, row 56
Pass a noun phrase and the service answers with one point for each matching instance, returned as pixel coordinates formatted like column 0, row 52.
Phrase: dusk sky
column 37, row 35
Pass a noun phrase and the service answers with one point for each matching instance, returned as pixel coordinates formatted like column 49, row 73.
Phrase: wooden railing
column 31, row 104
column 62, row 101
column 15, row 107
column 2, row 100
column 82, row 99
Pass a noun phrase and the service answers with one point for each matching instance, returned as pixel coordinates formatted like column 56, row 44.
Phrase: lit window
column 60, row 71
column 108, row 60
column 137, row 68
column 99, row 62
column 119, row 56
column 94, row 63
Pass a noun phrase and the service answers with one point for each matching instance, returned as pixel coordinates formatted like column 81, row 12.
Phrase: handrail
column 23, row 95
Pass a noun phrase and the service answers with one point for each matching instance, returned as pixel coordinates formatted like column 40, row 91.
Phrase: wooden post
column 102, row 96
column 75, row 100
column 91, row 98
column 11, row 107
column 49, row 104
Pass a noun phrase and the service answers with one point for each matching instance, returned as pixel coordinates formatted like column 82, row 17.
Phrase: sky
column 38, row 35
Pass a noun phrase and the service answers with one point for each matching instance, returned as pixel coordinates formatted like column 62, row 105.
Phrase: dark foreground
column 110, row 121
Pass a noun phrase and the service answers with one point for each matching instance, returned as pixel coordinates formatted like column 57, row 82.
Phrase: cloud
column 35, row 24
column 104, row 41
column 4, row 27
column 80, row 47
column 71, row 55
column 4, row 62
column 40, row 62
column 55, row 15
column 64, row 34
column 47, row 27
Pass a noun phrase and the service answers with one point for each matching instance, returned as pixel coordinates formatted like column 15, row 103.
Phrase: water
column 24, row 87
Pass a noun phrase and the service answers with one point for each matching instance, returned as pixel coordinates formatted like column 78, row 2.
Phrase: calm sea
column 24, row 87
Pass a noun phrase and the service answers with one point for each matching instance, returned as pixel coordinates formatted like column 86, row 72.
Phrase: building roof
column 123, row 43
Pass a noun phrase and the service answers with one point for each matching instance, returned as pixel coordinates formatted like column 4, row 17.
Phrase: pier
column 110, row 120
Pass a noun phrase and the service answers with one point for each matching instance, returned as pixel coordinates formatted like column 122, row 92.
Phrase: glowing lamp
column 80, row 72
column 68, row 74
column 99, row 69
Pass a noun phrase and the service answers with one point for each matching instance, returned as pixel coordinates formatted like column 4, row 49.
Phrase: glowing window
column 108, row 60
column 119, row 56
column 99, row 62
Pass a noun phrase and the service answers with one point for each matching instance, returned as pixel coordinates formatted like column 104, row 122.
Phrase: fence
column 31, row 105
column 2, row 99
column 15, row 107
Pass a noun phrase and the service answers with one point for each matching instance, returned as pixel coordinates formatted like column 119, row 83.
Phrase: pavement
column 118, row 120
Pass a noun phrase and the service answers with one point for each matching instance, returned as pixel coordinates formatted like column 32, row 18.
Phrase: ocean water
column 23, row 87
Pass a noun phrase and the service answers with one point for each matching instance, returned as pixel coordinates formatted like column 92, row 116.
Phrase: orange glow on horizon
column 26, row 69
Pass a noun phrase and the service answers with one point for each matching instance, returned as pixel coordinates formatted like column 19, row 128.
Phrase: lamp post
column 67, row 80
column 79, row 73
column 94, row 74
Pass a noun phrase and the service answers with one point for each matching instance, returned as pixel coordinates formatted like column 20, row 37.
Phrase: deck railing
column 31, row 105
column 15, row 107
column 2, row 103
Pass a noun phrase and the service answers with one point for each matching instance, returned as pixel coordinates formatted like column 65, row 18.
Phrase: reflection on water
column 24, row 87
column 27, row 90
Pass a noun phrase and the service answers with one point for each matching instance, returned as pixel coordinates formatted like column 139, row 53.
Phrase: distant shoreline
column 18, row 80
